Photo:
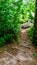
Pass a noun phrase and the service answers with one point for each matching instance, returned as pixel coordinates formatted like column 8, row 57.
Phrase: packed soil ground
column 19, row 54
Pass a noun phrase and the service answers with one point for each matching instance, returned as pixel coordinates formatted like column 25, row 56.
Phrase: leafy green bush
column 9, row 27
column 27, row 11
column 35, row 54
column 2, row 41
column 31, row 36
column 30, row 31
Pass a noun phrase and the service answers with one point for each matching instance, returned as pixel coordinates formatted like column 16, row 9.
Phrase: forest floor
column 19, row 54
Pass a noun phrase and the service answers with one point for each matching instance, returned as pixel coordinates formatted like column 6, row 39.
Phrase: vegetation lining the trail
column 12, row 12
column 9, row 26
column 30, row 32
column 35, row 54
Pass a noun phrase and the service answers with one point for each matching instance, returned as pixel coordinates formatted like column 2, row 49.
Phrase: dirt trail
column 18, row 54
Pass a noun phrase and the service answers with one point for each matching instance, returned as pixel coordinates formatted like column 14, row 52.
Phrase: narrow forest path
column 18, row 54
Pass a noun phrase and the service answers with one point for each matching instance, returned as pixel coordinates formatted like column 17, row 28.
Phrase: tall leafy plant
column 9, row 18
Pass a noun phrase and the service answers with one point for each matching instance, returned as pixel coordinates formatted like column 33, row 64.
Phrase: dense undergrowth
column 9, row 27
column 31, row 35
column 30, row 31
column 12, row 13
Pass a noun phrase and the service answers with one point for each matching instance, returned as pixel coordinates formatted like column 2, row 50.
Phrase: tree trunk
column 35, row 27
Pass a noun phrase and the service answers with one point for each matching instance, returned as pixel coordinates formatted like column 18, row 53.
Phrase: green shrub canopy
column 9, row 28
